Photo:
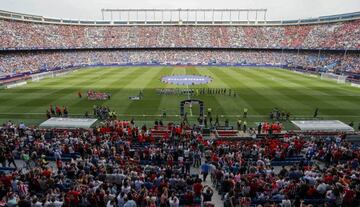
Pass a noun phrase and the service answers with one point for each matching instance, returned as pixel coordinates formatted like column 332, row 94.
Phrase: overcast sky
column 90, row 9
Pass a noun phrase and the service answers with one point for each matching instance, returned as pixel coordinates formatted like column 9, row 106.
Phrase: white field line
column 191, row 114
column 187, row 86
column 176, row 115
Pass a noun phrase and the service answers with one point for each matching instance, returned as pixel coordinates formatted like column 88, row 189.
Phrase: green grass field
column 258, row 89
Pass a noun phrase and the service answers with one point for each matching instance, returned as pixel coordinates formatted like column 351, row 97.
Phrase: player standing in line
column 316, row 112
column 245, row 112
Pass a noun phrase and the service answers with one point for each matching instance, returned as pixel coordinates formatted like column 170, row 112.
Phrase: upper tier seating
column 30, row 35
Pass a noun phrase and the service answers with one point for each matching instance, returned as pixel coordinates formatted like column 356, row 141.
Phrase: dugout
column 68, row 123
column 327, row 126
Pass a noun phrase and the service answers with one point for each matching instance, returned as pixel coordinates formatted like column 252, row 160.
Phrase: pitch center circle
column 186, row 79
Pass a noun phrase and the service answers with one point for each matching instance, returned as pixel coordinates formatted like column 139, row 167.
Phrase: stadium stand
column 118, row 162
column 338, row 35
column 19, row 62
column 325, row 44
column 122, row 163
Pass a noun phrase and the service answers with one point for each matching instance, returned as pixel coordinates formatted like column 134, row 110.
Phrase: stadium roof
column 68, row 123
column 123, row 17
column 323, row 126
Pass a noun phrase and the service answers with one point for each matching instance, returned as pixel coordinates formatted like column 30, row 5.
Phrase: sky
column 90, row 9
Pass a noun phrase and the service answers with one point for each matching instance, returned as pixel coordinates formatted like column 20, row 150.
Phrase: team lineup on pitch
column 293, row 93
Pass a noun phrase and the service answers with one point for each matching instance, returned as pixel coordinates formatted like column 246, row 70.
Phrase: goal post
column 333, row 76
column 37, row 77
column 191, row 103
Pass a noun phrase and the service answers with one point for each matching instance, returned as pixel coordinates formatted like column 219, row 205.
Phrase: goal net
column 39, row 76
column 335, row 77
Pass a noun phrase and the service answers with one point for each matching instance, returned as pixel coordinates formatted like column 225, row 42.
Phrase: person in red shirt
column 6, row 180
column 189, row 198
column 58, row 111
column 197, row 187
column 178, row 131
column 72, row 198
column 152, row 138
column 311, row 192
column 328, row 178
column 59, row 164
column 166, row 136
column 141, row 138
column 46, row 172
column 349, row 196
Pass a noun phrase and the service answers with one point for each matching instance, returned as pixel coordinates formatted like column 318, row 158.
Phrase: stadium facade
column 32, row 44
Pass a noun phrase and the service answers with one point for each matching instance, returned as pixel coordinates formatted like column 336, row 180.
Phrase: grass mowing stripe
column 41, row 102
column 30, row 88
column 166, row 101
column 327, row 104
column 25, row 102
column 151, row 102
column 81, row 85
column 260, row 96
column 270, row 88
column 69, row 78
column 284, row 91
column 34, row 89
column 240, row 88
column 44, row 99
column 187, row 87
column 317, row 84
column 232, row 106
column 101, row 85
column 210, row 100
column 329, row 89
column 308, row 99
column 331, row 83
column 313, row 87
column 141, row 81
column 82, row 105
column 120, row 91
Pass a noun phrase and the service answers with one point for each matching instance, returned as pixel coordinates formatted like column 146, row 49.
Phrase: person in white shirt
column 121, row 199
column 138, row 183
column 35, row 202
column 173, row 200
column 111, row 203
column 322, row 188
column 126, row 188
column 186, row 153
column 53, row 203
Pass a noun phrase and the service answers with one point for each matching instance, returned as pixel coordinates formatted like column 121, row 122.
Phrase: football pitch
column 258, row 89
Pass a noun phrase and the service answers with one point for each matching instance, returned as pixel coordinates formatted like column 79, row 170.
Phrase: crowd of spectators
column 244, row 173
column 30, row 35
column 14, row 63
column 121, row 164
column 116, row 164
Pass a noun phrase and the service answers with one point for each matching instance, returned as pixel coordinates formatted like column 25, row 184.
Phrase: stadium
column 179, row 107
